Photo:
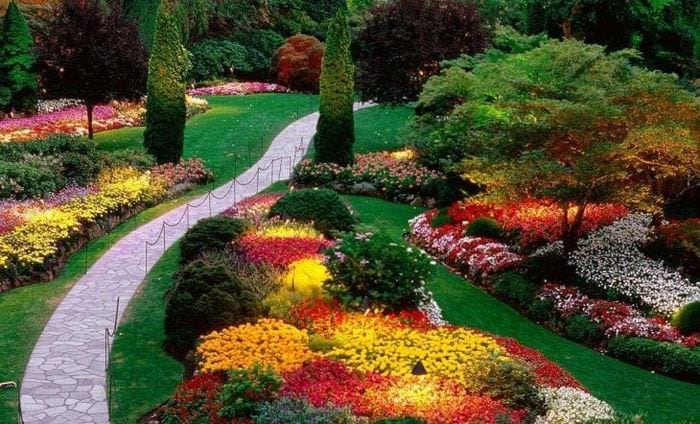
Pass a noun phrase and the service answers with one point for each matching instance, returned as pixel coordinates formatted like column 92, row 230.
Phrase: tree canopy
column 18, row 75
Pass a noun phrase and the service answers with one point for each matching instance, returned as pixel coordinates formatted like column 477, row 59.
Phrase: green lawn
column 380, row 127
column 627, row 388
column 233, row 127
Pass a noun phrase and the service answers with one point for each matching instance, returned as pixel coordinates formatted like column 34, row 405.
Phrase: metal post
column 146, row 268
column 164, row 238
column 86, row 256
column 209, row 200
column 187, row 215
column 257, row 181
column 234, row 191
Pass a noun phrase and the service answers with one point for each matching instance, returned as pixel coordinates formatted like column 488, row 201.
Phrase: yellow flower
column 306, row 276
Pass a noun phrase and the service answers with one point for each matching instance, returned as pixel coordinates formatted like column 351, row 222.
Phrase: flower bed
column 395, row 176
column 238, row 89
column 41, row 234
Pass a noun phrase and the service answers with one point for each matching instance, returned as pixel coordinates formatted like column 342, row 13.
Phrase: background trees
column 405, row 41
column 298, row 63
column 93, row 53
column 18, row 77
column 335, row 133
column 167, row 73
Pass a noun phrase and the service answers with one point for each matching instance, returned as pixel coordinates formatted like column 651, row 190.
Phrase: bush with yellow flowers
column 269, row 342
column 306, row 276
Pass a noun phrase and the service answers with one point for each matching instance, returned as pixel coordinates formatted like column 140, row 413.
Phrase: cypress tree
column 335, row 133
column 18, row 77
column 167, row 70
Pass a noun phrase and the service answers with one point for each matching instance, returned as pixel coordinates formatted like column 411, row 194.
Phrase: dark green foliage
column 128, row 157
column 207, row 295
column 320, row 10
column 580, row 328
column 516, row 287
column 145, row 13
column 442, row 218
column 167, row 71
column 293, row 410
column 335, row 133
column 541, row 310
column 484, row 227
column 18, row 77
column 26, row 180
column 245, row 389
column 261, row 46
column 667, row 358
column 210, row 235
column 514, row 384
column 688, row 318
column 371, row 266
column 212, row 59
column 323, row 207
column 549, row 266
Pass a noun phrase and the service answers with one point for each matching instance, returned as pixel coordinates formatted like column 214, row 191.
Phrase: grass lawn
column 380, row 127
column 626, row 387
column 225, row 132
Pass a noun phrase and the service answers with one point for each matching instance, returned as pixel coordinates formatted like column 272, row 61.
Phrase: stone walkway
column 64, row 381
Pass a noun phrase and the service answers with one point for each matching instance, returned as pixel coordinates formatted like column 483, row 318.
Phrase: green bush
column 212, row 59
column 580, row 328
column 26, row 180
column 292, row 410
column 371, row 266
column 127, row 157
column 667, row 358
column 516, row 287
column 442, row 218
column 541, row 310
column 210, row 235
column 550, row 266
column 323, row 207
column 484, row 227
column 514, row 384
column 261, row 45
column 207, row 295
column 245, row 388
column 18, row 77
column 688, row 318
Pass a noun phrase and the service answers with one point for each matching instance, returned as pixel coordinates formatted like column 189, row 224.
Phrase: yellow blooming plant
column 269, row 342
column 306, row 276
column 288, row 230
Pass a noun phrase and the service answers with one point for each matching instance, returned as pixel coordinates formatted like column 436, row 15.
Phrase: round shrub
column 322, row 207
column 484, row 227
column 207, row 295
column 442, row 218
column 298, row 63
column 213, row 59
column 516, row 287
column 688, row 318
column 245, row 389
column 582, row 329
column 371, row 266
column 541, row 310
column 210, row 235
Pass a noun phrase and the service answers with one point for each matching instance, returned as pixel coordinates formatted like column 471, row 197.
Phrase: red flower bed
column 280, row 251
column 197, row 399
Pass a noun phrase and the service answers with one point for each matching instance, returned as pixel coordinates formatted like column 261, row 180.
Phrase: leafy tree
column 320, row 10
column 144, row 12
column 335, row 133
column 405, row 41
column 92, row 53
column 167, row 71
column 18, row 77
column 568, row 122
column 298, row 63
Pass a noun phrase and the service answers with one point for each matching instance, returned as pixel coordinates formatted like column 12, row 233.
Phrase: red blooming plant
column 196, row 400
column 317, row 315
column 255, row 208
column 280, row 251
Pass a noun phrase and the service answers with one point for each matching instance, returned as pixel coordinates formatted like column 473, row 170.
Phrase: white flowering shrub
column 567, row 405
column 431, row 309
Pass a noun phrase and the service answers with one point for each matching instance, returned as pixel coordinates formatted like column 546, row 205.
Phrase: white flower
column 567, row 405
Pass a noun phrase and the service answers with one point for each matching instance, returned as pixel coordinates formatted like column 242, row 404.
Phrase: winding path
column 64, row 381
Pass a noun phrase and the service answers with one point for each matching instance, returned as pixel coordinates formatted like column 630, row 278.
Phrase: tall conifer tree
column 18, row 75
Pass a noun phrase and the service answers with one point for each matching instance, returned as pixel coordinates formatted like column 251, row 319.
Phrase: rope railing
column 109, row 337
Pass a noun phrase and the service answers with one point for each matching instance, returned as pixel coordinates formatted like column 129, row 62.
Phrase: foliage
column 484, row 227
column 298, row 63
column 260, row 45
column 293, row 410
column 335, row 131
column 18, row 76
column 245, row 388
column 212, row 59
column 209, row 235
column 366, row 265
column 668, row 358
column 580, row 328
column 306, row 276
column 322, row 207
column 516, row 287
column 514, row 384
column 678, row 243
column 207, row 295
column 688, row 318
column 92, row 54
column 404, row 42
column 196, row 400
column 145, row 13
column 167, row 70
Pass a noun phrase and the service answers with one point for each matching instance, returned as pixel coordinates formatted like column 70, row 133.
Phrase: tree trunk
column 567, row 24
column 570, row 237
column 90, row 108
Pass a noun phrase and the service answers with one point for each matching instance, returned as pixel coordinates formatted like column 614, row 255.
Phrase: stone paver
column 64, row 381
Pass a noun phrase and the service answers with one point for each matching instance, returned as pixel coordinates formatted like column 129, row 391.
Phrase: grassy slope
column 379, row 127
column 233, row 124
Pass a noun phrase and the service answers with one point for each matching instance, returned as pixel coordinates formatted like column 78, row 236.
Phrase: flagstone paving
column 64, row 381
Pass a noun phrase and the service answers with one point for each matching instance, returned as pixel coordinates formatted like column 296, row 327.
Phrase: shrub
column 370, row 265
column 298, row 63
column 245, row 388
column 260, row 45
column 212, row 59
column 442, row 218
column 210, row 235
column 541, row 310
column 666, row 358
column 206, row 296
column 26, row 180
column 18, row 77
column 323, row 207
column 580, row 328
column 195, row 401
column 294, row 410
column 514, row 385
column 548, row 266
column 484, row 227
column 136, row 158
column 688, row 318
column 516, row 287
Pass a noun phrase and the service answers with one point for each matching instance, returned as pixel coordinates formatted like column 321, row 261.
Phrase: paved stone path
column 65, row 378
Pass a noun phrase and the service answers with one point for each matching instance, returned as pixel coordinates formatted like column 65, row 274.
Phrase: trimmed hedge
column 210, row 235
column 323, row 207
column 516, row 287
column 668, row 358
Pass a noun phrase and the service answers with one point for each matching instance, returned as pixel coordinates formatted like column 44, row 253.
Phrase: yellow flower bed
column 306, row 276
column 288, row 230
column 455, row 353
column 269, row 342
column 37, row 239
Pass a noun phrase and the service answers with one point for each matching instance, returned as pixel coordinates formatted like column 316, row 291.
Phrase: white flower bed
column 431, row 309
column 567, row 405
column 610, row 257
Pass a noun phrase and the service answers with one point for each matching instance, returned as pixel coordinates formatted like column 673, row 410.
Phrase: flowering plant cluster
column 255, row 208
column 238, row 89
column 393, row 176
column 281, row 245
column 615, row 318
column 571, row 405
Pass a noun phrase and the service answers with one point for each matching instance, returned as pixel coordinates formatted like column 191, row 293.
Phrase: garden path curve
column 64, row 381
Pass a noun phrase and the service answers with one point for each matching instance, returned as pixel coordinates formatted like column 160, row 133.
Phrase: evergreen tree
column 18, row 78
column 335, row 133
column 167, row 72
